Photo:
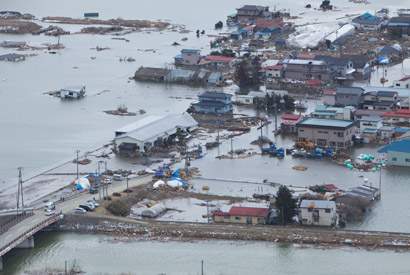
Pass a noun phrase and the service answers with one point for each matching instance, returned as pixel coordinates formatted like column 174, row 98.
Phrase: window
column 310, row 209
column 340, row 134
column 237, row 218
column 188, row 54
column 324, row 132
column 316, row 219
column 227, row 217
column 332, row 143
column 327, row 210
column 407, row 160
column 320, row 132
column 340, row 144
column 301, row 130
column 321, row 142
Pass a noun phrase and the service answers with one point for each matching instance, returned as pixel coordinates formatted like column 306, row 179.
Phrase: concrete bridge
column 20, row 234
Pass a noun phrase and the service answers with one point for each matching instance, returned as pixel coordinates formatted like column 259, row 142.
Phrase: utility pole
column 231, row 147
column 20, row 191
column 218, row 137
column 282, row 214
column 206, row 188
column 380, row 182
column 77, row 151
column 128, row 193
column 202, row 267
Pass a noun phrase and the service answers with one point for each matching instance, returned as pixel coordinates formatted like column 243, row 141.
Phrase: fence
column 6, row 226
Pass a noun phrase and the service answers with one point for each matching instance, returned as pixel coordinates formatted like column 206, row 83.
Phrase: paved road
column 67, row 206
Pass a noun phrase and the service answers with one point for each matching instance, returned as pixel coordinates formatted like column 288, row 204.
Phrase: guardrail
column 6, row 248
column 6, row 226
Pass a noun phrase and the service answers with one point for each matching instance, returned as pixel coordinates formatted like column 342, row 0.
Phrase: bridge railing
column 28, row 233
column 7, row 225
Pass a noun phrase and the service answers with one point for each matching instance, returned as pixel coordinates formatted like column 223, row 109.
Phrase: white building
column 370, row 125
column 320, row 213
column 72, row 92
column 139, row 136
column 402, row 83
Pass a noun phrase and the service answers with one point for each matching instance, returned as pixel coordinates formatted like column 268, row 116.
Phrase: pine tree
column 287, row 204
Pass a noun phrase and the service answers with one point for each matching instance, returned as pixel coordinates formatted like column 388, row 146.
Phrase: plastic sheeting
column 159, row 183
column 343, row 31
column 82, row 183
column 176, row 183
column 154, row 211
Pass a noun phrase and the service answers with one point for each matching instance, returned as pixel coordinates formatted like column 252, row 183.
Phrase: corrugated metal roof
column 189, row 51
column 318, row 204
column 160, row 126
column 397, row 146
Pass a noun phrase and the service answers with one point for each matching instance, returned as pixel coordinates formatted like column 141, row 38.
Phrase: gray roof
column 385, row 103
column 386, row 50
column 387, row 128
column 74, row 89
column 189, row 51
column 306, row 62
column 252, row 8
column 401, row 92
column 371, row 119
column 349, row 91
column 400, row 19
column 318, row 204
column 369, row 112
column 155, row 127
column 215, row 95
column 338, row 61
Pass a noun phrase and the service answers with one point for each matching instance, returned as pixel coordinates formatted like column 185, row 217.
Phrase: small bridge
column 18, row 233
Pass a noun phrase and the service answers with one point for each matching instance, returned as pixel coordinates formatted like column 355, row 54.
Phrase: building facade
column 242, row 215
column 349, row 96
column 399, row 116
column 288, row 124
column 307, row 69
column 331, row 133
column 319, row 213
column 213, row 102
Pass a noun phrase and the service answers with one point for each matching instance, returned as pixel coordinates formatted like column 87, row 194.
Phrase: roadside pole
column 77, row 151
column 206, row 188
column 128, row 193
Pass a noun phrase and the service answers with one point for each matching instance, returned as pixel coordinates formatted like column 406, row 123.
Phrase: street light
column 128, row 192
column 206, row 188
column 77, row 151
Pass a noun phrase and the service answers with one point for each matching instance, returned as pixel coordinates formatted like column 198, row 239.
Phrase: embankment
column 92, row 223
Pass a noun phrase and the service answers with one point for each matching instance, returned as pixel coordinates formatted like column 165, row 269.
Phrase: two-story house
column 324, row 132
column 343, row 113
column 188, row 57
column 342, row 66
column 319, row 213
column 307, row 69
column 213, row 102
column 349, row 96
column 397, row 117
column 370, row 126
column 380, row 100
column 361, row 63
column 368, row 22
column 253, row 13
column 274, row 71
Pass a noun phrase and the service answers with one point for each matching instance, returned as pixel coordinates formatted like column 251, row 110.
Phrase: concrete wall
column 190, row 58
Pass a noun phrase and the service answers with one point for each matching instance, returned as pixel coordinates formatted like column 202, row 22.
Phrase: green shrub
column 116, row 194
column 118, row 208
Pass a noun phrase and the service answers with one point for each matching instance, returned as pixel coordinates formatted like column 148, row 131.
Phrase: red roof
column 273, row 67
column 270, row 23
column 314, row 81
column 219, row 58
column 220, row 213
column 291, row 119
column 329, row 92
column 398, row 113
column 291, row 116
column 331, row 186
column 248, row 211
column 306, row 56
column 405, row 78
column 247, row 28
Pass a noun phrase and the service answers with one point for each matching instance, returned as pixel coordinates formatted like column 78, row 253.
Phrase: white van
column 117, row 177
column 49, row 206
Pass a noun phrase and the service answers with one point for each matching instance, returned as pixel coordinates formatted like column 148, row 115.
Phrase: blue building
column 398, row 153
column 213, row 102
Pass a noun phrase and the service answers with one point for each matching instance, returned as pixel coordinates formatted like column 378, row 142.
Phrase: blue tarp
column 175, row 174
column 383, row 60
column 178, row 179
column 79, row 187
column 94, row 176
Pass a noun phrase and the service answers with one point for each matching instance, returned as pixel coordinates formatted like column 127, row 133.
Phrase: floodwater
column 38, row 132
column 101, row 254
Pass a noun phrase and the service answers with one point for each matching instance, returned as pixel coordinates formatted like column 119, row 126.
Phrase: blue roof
column 368, row 16
column 263, row 33
column 189, row 51
column 398, row 146
column 402, row 130
column 178, row 56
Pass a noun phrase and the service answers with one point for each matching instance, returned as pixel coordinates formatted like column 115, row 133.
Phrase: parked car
column 93, row 202
column 86, row 207
column 93, row 191
column 50, row 212
column 117, row 177
column 90, row 205
column 49, row 206
column 80, row 210
column 106, row 181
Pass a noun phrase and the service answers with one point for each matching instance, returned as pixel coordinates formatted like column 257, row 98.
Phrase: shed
column 72, row 92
